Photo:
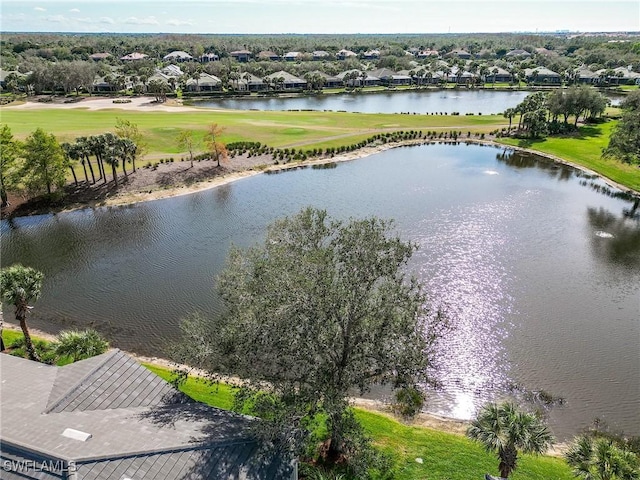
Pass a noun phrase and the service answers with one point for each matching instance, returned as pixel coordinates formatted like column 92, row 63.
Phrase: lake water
column 415, row 101
column 537, row 264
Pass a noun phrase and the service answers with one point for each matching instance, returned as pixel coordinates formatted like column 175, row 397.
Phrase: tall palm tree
column 505, row 431
column 19, row 285
column 70, row 154
column 601, row 459
column 85, row 153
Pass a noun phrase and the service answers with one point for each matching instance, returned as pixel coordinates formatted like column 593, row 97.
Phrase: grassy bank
column 585, row 149
column 445, row 456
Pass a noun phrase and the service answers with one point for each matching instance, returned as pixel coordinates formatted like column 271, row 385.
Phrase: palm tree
column 509, row 113
column 70, row 154
column 85, row 153
column 505, row 431
column 600, row 458
column 19, row 285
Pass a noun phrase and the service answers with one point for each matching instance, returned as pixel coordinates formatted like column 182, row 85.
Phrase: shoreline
column 133, row 198
column 424, row 419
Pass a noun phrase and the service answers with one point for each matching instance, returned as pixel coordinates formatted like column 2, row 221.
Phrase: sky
column 319, row 16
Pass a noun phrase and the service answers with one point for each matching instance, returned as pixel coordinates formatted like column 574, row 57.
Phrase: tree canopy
column 624, row 142
column 323, row 307
column 44, row 163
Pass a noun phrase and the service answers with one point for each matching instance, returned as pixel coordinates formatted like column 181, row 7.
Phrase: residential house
column 463, row 54
column 358, row 78
column 5, row 73
column 518, row 53
column 291, row 56
column 108, row 417
column 99, row 56
column 390, row 78
column 168, row 80
column 204, row 83
column 498, row 75
column 344, row 54
column 177, row 56
column 371, row 55
column 134, row 56
column 618, row 76
column 542, row 76
column 172, row 71
column 253, row 83
column 112, row 83
column 241, row 55
column 268, row 55
column 427, row 53
column 209, row 57
column 585, row 76
column 285, row 81
column 419, row 76
column 329, row 81
column 320, row 55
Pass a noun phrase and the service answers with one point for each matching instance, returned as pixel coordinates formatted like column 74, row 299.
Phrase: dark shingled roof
column 140, row 426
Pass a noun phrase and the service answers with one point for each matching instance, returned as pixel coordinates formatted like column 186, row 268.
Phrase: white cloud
column 39, row 9
column 107, row 20
column 83, row 20
column 142, row 21
column 75, row 10
column 56, row 18
column 179, row 23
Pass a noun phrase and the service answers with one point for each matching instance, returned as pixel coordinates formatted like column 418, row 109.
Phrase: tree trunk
column 84, row 167
column 124, row 168
column 75, row 179
column 115, row 174
column 508, row 461
column 21, row 314
column 4, row 199
column 93, row 176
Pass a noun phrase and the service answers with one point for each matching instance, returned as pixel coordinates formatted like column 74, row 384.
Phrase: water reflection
column 540, row 293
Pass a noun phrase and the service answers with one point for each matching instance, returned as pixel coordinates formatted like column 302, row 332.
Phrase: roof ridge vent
column 76, row 434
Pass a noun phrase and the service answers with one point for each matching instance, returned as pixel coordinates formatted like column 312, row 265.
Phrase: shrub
column 79, row 345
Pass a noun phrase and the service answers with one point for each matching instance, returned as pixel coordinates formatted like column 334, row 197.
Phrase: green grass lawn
column 585, row 149
column 308, row 130
column 274, row 128
column 445, row 456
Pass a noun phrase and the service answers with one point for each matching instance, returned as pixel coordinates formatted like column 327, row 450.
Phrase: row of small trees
column 40, row 163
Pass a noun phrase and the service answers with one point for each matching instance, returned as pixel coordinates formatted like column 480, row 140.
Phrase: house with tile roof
column 108, row 417
column 268, row 55
column 288, row 81
column 344, row 54
column 209, row 57
column 177, row 56
column 134, row 56
column 542, row 75
column 241, row 55
column 204, row 83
